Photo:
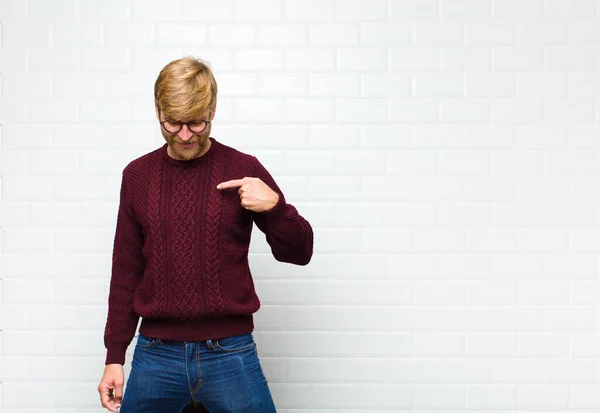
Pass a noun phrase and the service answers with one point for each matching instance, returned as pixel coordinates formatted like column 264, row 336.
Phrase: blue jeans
column 224, row 374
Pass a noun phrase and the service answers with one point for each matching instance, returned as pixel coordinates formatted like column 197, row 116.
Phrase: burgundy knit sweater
column 180, row 258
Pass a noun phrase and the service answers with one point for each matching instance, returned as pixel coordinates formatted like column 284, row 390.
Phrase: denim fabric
column 224, row 374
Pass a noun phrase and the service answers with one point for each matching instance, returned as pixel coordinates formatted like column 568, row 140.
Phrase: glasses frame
column 206, row 123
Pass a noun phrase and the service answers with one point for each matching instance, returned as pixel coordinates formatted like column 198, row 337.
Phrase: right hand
column 112, row 381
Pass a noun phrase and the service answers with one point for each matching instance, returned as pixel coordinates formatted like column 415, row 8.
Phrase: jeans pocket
column 235, row 343
column 145, row 342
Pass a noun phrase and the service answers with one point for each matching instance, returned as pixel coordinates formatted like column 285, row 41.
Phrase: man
column 180, row 261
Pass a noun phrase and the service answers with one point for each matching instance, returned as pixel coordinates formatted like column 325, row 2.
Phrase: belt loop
column 210, row 344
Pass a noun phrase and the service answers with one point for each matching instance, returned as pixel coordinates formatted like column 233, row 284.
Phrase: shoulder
column 142, row 164
column 235, row 155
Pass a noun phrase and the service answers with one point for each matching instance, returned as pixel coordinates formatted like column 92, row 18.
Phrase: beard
column 198, row 146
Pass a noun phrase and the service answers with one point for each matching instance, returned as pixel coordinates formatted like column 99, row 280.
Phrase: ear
column 157, row 111
column 212, row 112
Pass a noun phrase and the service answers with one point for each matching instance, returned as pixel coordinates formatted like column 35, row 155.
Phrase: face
column 187, row 144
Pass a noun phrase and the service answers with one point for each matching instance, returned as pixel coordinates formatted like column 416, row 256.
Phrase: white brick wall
column 447, row 153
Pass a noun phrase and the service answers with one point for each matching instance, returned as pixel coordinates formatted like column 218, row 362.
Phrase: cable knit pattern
column 211, row 242
column 184, row 208
column 157, row 239
column 180, row 258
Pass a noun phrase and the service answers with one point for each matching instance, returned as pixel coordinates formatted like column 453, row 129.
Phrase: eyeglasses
column 195, row 126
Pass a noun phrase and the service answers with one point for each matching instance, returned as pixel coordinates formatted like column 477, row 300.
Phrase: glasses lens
column 197, row 127
column 172, row 127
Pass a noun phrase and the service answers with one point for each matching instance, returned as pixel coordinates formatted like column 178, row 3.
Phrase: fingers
column 119, row 393
column 243, row 189
column 107, row 399
column 245, row 203
column 111, row 392
column 234, row 183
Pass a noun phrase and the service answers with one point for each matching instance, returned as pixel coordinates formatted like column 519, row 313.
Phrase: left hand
column 255, row 195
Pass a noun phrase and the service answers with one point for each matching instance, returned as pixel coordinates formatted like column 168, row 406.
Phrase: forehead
column 174, row 117
column 184, row 120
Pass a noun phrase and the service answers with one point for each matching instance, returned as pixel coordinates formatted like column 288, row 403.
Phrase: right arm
column 127, row 270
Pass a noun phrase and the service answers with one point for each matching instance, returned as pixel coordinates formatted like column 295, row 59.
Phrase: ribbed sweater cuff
column 115, row 353
column 277, row 211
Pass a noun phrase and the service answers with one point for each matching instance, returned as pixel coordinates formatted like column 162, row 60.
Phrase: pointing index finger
column 234, row 183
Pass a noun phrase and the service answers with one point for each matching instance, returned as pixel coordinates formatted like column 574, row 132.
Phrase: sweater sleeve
column 127, row 270
column 289, row 235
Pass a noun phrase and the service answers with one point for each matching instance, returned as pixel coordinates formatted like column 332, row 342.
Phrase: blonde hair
column 185, row 89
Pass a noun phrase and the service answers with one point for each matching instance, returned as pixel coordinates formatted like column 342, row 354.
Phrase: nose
column 185, row 133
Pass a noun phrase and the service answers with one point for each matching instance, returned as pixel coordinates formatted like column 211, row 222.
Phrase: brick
column 334, row 84
column 361, row 110
column 77, row 35
column 333, row 136
column 543, row 84
column 414, row 110
column 464, row 110
column 77, row 85
column 129, row 34
column 358, row 163
column 517, row 110
column 58, row 11
column 547, row 33
column 580, row 58
column 569, row 109
column 282, row 34
column 16, row 86
column 440, row 396
column 152, row 59
column 258, row 10
column 466, row 59
column 517, row 58
column 25, row 35
column 314, row 59
column 361, row 10
column 583, row 33
column 490, row 84
column 13, row 10
column 465, row 9
column 414, row 10
column 490, row 33
column 438, row 84
column 258, row 109
column 410, row 162
column 234, row 34
column 256, row 60
column 309, row 9
column 176, row 34
column 438, row 33
column 341, row 34
column 105, row 10
column 363, row 59
column 308, row 110
column 44, row 60
column 491, row 344
column 555, row 345
column 384, row 34
column 385, row 85
column 571, row 9
column 154, row 10
column 234, row 84
column 487, row 397
column 517, row 9
column 98, row 60
column 105, row 111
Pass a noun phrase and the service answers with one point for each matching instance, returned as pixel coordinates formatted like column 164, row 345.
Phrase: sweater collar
column 196, row 161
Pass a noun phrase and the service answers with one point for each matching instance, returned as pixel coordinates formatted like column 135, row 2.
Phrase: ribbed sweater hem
column 199, row 329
